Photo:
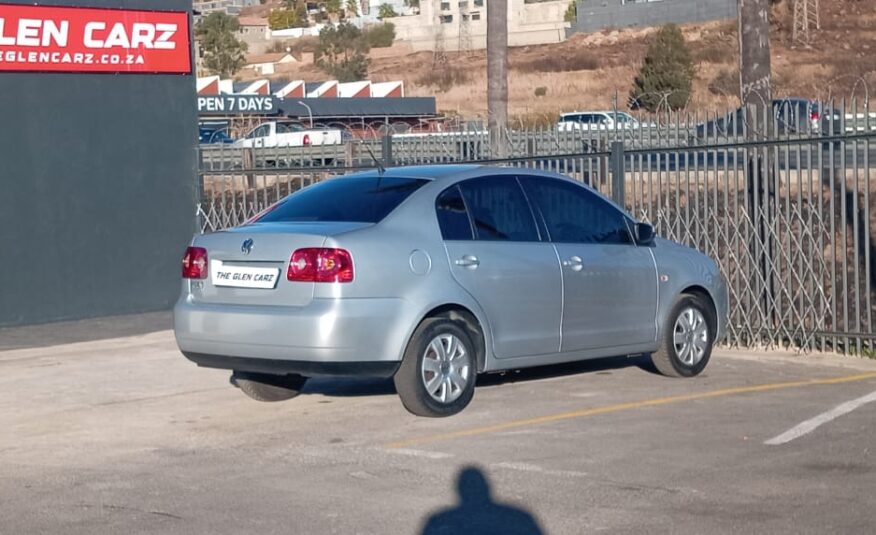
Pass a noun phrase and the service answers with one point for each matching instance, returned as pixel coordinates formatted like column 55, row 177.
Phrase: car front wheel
column 438, row 371
column 688, row 336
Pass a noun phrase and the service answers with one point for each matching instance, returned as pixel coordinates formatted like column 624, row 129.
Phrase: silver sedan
column 433, row 275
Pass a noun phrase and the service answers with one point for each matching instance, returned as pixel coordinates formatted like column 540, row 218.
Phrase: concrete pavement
column 125, row 435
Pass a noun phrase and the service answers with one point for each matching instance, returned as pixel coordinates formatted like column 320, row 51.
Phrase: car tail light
column 194, row 263
column 320, row 264
column 306, row 140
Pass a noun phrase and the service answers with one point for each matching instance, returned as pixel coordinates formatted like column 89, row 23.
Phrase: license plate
column 243, row 276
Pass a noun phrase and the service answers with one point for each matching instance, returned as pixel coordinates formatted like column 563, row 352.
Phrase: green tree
column 224, row 54
column 294, row 17
column 386, row 11
column 352, row 8
column 341, row 52
column 333, row 7
column 571, row 12
column 667, row 73
column 380, row 35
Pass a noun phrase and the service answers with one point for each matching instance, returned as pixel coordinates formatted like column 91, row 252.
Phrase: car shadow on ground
column 476, row 512
column 355, row 387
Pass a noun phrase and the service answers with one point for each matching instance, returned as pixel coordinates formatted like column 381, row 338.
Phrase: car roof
column 597, row 112
column 455, row 172
column 428, row 172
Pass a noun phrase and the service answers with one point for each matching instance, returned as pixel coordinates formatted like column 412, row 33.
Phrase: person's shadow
column 478, row 513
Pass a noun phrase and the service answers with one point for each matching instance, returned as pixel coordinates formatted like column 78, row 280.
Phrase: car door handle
column 468, row 261
column 574, row 262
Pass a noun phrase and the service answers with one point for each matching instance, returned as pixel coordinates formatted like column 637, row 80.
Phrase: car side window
column 452, row 215
column 261, row 131
column 574, row 214
column 783, row 112
column 499, row 210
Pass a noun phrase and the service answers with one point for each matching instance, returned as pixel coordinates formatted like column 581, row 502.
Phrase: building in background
column 229, row 7
column 255, row 32
column 595, row 15
column 371, row 7
column 462, row 24
column 265, row 64
column 362, row 106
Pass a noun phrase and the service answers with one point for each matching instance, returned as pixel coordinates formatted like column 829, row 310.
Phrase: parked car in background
column 596, row 120
column 210, row 136
column 280, row 134
column 790, row 116
column 433, row 275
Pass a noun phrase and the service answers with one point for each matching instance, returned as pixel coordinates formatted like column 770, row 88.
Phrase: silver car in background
column 433, row 275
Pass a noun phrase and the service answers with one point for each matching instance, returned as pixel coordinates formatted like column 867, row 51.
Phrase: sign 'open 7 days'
column 73, row 39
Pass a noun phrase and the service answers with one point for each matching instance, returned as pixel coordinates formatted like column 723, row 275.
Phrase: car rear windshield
column 355, row 199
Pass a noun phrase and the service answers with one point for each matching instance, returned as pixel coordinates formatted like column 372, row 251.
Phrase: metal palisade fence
column 785, row 207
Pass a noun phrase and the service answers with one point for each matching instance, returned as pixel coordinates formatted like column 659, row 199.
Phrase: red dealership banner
column 73, row 39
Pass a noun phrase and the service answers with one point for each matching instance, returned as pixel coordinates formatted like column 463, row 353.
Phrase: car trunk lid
column 248, row 264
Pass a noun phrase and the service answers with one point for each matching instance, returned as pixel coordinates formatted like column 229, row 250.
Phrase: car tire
column 687, row 338
column 438, row 371
column 268, row 387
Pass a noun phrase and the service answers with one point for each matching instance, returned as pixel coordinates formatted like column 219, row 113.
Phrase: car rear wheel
column 268, row 387
column 688, row 336
column 438, row 371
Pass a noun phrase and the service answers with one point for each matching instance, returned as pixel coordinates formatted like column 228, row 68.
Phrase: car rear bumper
column 324, row 337
column 301, row 367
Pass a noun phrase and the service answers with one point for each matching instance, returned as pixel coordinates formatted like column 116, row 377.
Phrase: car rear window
column 354, row 199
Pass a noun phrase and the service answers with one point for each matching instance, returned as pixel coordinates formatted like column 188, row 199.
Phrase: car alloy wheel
column 437, row 374
column 687, row 337
column 691, row 336
column 445, row 369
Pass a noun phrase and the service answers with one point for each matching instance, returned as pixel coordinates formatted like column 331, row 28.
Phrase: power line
column 465, row 45
column 439, row 53
column 805, row 18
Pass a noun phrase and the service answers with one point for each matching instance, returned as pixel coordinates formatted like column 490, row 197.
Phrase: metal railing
column 789, row 216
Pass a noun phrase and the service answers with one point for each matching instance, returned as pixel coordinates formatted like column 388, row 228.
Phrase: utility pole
column 754, row 52
column 497, row 76
column 755, row 94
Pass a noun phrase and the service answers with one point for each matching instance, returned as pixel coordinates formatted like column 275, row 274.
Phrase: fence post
column 200, row 191
column 386, row 150
column 616, row 165
column 249, row 163
column 349, row 153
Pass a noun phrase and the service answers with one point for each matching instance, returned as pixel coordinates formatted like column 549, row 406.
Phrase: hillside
column 588, row 70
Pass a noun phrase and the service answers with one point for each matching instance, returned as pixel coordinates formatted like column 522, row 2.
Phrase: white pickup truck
column 276, row 134
column 597, row 120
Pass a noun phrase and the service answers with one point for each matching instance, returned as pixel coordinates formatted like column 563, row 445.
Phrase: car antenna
column 377, row 163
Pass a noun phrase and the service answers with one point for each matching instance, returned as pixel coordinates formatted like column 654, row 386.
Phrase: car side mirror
column 644, row 234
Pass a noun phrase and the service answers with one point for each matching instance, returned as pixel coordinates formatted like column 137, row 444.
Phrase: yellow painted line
column 513, row 424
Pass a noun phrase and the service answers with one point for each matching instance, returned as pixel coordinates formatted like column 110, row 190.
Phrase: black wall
column 97, row 188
